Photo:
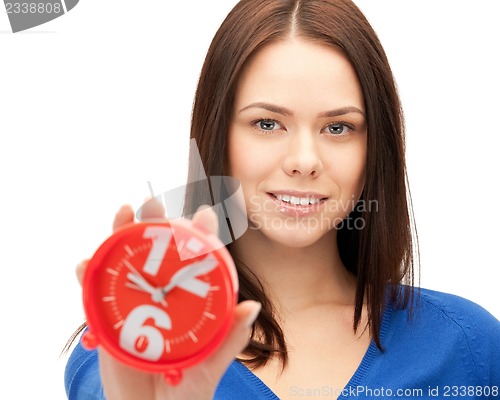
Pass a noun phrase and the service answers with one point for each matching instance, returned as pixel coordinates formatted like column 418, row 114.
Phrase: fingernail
column 253, row 314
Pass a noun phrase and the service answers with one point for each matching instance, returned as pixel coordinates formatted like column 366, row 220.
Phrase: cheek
column 347, row 167
column 248, row 161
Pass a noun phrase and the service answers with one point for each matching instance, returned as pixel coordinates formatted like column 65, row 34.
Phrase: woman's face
column 297, row 141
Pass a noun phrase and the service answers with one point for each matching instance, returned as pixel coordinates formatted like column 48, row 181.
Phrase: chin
column 293, row 238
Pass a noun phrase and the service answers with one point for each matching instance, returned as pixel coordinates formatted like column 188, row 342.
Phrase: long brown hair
column 382, row 254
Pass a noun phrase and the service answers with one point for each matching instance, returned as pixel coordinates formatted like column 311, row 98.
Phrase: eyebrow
column 285, row 112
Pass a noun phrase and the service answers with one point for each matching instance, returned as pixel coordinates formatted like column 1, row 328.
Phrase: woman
column 297, row 101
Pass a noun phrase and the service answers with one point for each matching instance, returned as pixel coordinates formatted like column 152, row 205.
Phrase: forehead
column 298, row 72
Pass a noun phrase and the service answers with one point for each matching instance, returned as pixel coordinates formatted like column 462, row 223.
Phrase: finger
column 205, row 219
column 80, row 270
column 125, row 215
column 245, row 314
column 152, row 209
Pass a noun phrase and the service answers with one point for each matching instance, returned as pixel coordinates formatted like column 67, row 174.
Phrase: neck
column 296, row 278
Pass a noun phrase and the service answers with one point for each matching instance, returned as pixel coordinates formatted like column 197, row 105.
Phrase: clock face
column 159, row 297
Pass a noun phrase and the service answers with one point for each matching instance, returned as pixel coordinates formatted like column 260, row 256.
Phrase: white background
column 96, row 103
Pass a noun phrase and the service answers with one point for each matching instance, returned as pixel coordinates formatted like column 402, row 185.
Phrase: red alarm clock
column 159, row 296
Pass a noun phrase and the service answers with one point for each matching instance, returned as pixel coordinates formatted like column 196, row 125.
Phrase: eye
column 339, row 129
column 267, row 125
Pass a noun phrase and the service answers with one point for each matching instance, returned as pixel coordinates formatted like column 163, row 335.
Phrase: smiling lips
column 298, row 203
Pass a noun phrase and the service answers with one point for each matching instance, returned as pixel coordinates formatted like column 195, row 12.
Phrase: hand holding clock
column 199, row 381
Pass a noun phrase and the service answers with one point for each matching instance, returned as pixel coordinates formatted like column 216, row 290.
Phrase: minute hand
column 186, row 277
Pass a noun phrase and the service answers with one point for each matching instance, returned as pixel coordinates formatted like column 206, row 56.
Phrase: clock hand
column 185, row 278
column 141, row 282
column 156, row 293
column 135, row 287
column 137, row 278
column 144, row 285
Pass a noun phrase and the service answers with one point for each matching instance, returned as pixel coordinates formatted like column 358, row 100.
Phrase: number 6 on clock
column 142, row 340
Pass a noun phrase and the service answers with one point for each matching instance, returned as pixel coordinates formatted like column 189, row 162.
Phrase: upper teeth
column 303, row 201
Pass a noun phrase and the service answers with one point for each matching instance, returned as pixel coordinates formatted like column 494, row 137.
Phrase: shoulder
column 453, row 331
column 444, row 310
column 465, row 314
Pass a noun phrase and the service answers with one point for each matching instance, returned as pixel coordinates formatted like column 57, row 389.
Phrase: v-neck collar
column 264, row 392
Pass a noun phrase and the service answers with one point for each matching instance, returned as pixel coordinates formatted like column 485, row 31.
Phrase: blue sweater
column 449, row 348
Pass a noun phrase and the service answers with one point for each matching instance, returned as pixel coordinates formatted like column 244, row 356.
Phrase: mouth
column 296, row 199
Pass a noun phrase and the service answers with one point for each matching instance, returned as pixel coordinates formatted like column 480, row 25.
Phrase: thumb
column 245, row 314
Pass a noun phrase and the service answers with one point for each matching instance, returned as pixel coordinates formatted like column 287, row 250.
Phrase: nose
column 303, row 156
